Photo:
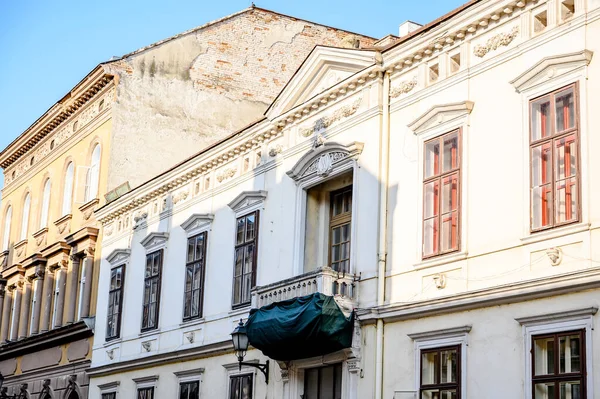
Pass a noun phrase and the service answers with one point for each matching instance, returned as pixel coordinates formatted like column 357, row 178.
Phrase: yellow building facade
column 54, row 179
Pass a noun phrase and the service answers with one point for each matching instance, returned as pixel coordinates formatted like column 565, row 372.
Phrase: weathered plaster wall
column 179, row 96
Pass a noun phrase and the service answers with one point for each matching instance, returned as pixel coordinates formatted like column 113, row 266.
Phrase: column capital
column 39, row 272
column 89, row 251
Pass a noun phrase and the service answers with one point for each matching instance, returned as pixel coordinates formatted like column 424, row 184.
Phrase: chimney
column 408, row 27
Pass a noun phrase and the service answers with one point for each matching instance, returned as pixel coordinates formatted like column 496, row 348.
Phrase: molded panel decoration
column 326, row 121
column 494, row 42
column 322, row 160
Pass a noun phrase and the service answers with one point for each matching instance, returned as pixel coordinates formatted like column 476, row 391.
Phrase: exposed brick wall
column 176, row 98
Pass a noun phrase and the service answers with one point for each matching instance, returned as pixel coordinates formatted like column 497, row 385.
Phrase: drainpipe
column 382, row 250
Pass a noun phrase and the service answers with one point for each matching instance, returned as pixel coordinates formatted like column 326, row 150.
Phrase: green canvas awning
column 299, row 328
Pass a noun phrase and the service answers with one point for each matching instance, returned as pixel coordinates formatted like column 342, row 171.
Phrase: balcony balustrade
column 324, row 280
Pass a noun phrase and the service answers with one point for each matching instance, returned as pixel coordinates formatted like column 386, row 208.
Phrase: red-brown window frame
column 254, row 260
column 440, row 177
column 456, row 385
column 120, row 310
column 557, row 377
column 551, row 139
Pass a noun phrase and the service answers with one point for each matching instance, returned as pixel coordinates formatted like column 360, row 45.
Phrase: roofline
column 431, row 24
column 53, row 116
column 225, row 18
column 181, row 163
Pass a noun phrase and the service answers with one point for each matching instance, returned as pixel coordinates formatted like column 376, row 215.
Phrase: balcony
column 324, row 280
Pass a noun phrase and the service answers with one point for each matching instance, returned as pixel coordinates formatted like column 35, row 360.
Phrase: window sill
column 240, row 311
column 112, row 342
column 193, row 322
column 554, row 233
column 149, row 333
column 441, row 260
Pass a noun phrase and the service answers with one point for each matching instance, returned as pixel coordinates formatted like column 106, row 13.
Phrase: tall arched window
column 68, row 190
column 45, row 205
column 91, row 182
column 25, row 217
column 7, row 222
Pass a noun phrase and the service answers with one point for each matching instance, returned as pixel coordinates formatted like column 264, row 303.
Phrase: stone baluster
column 37, row 299
column 25, row 307
column 6, row 315
column 48, row 293
column 86, row 282
column 73, row 288
column 14, row 325
column 61, row 287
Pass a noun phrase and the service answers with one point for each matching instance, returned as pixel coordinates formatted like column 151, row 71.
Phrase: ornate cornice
column 55, row 116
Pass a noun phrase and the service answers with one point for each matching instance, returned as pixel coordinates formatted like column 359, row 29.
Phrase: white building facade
column 441, row 185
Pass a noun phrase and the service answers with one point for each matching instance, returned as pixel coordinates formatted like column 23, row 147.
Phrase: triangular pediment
column 197, row 220
column 441, row 113
column 155, row 239
column 323, row 68
column 118, row 256
column 247, row 199
column 550, row 68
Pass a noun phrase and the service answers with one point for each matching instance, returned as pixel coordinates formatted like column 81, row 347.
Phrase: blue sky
column 47, row 47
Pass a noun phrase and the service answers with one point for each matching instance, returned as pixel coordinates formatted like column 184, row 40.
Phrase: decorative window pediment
column 551, row 68
column 247, row 199
column 440, row 114
column 118, row 256
column 155, row 240
column 197, row 221
column 322, row 160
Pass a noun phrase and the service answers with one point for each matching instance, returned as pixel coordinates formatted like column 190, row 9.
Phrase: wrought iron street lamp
column 239, row 337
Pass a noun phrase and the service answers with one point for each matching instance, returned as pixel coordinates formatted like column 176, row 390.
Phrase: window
column 194, row 277
column 7, row 222
column 68, row 190
column 152, row 278
column 441, row 187
column 554, row 149
column 25, row 217
column 91, row 181
column 323, row 382
column 57, row 287
column 115, row 302
column 558, row 365
column 240, row 387
column 189, row 390
column 45, row 205
column 244, row 276
column 111, row 395
column 339, row 227
column 440, row 373
column 145, row 393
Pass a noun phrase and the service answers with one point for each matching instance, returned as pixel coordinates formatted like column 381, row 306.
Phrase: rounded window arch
column 25, row 217
column 93, row 175
column 67, row 200
column 7, row 224
column 45, row 204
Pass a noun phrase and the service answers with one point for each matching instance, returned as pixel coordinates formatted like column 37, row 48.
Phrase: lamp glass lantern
column 239, row 337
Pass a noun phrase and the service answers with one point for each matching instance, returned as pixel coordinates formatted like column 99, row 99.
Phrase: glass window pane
column 336, row 235
column 565, row 154
column 565, row 110
column 450, row 157
column 190, row 250
column 237, row 290
column 432, row 158
column 448, row 366
column 239, row 259
column 311, row 384
column 570, row 390
column 326, row 383
column 450, row 193
column 449, row 237
column 246, row 387
column 540, row 119
column 148, row 271
column 189, row 271
column 543, row 352
column 431, row 199
column 183, row 391
column 240, row 230
column 157, row 262
column 250, row 227
column 570, row 354
column 430, row 236
column 197, row 276
column 429, row 372
column 566, row 200
column 544, row 390
column 249, row 258
column 200, row 247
